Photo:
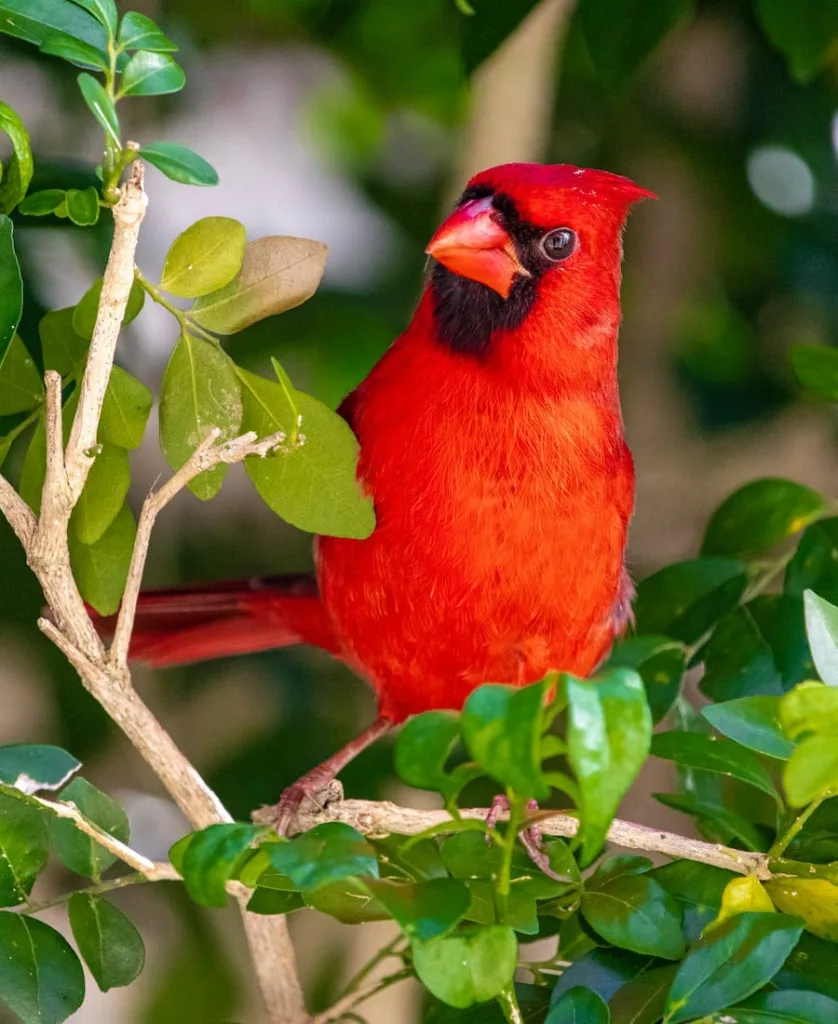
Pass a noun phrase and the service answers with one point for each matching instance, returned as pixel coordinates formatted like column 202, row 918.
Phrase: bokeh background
column 356, row 122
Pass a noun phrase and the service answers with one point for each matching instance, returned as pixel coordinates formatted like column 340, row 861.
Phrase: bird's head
column 530, row 242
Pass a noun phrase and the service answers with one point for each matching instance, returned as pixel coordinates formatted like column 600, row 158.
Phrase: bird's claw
column 318, row 787
column 531, row 837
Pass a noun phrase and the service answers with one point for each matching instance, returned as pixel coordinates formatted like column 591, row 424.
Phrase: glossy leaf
column 660, row 662
column 104, row 11
column 327, row 853
column 620, row 35
column 76, row 52
column 313, row 486
column 62, row 347
column 125, row 410
column 101, row 106
column 278, row 274
column 812, row 770
column 214, row 856
column 17, row 173
column 810, row 708
column 759, row 515
column 822, row 631
column 643, row 999
column 204, row 257
column 139, row 32
column 473, row 966
column 710, row 754
column 200, row 391
column 813, row 899
column 274, row 901
column 803, row 30
column 793, row 1007
column 104, row 493
column 87, row 308
column 730, row 963
column 812, row 566
column 604, row 971
column 33, row 766
column 634, row 912
column 810, row 967
column 579, row 1006
column 608, row 735
column 11, row 287
column 424, row 910
column 613, row 865
column 422, row 749
column 111, row 946
column 816, row 367
column 39, row 204
column 348, row 901
column 753, row 722
column 24, row 846
column 151, row 73
column 62, row 29
column 742, row 895
column 101, row 569
column 78, row 851
column 20, row 383
column 83, row 206
column 41, row 979
column 502, row 727
column 179, row 163
column 684, row 600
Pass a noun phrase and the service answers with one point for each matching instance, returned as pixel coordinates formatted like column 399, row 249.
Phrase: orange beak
column 473, row 244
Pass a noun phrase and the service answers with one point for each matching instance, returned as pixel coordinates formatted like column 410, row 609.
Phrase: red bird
column 492, row 444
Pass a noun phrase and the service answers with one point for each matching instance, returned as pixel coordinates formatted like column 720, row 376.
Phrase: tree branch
column 17, row 512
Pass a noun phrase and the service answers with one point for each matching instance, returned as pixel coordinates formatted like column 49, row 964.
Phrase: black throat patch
column 467, row 313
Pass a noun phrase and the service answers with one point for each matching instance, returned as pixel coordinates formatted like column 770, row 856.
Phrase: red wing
column 196, row 623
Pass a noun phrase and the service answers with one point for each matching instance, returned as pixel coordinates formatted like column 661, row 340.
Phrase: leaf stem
column 516, row 815
column 186, row 326
column 508, row 1003
column 132, row 878
column 782, row 842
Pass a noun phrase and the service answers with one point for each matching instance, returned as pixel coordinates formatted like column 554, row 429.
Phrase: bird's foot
column 318, row 788
column 531, row 838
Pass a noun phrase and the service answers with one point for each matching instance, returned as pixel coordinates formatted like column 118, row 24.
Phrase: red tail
column 216, row 620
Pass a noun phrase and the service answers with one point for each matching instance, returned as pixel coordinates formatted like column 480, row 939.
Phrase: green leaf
column 58, row 28
column 41, row 979
column 812, row 770
column 39, row 204
column 87, row 308
column 24, row 846
column 104, row 11
column 101, row 569
column 278, row 273
column 17, row 174
column 214, row 856
column 620, row 34
column 754, row 722
column 327, row 853
column 111, row 946
column 643, row 999
column 759, row 515
column 348, row 901
column 634, row 912
column 179, row 163
column 125, row 411
column 815, row 900
column 200, row 391
column 502, row 727
column 809, row 708
column 684, row 600
column 484, row 34
column 63, row 348
column 660, row 662
column 701, row 885
column 473, row 966
column 20, row 383
column 709, row 754
column 11, row 287
column 579, row 1006
column 822, row 631
column 423, row 910
column 151, row 73
column 608, row 734
column 104, row 493
column 78, row 851
column 204, row 257
column 313, row 486
column 714, row 814
column 139, row 32
column 101, row 106
column 812, row 566
column 816, row 367
column 794, row 1007
column 83, row 206
column 75, row 52
column 730, row 963
column 603, row 971
column 422, row 749
column 274, row 901
column 33, row 766
column 803, row 30
column 613, row 865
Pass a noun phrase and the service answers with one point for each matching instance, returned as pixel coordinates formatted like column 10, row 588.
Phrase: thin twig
column 343, row 1006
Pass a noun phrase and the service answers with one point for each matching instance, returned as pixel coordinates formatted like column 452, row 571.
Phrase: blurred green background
column 357, row 122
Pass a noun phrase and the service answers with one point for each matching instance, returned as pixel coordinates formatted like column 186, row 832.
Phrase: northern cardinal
column 492, row 444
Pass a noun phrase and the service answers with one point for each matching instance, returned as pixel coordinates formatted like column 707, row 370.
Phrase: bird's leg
column 531, row 838
column 314, row 782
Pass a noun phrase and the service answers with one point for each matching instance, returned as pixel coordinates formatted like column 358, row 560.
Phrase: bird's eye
column 559, row 244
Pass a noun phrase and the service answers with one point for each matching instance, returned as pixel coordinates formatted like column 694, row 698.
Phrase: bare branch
column 18, row 513
column 383, row 818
